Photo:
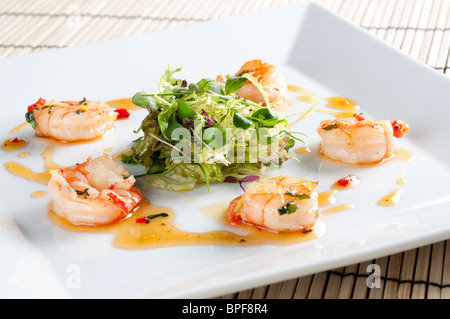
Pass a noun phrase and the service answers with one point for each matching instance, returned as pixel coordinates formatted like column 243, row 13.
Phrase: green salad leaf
column 204, row 132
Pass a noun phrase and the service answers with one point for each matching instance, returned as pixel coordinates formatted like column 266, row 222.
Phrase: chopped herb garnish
column 29, row 117
column 289, row 208
column 80, row 111
column 130, row 159
column 332, row 126
column 148, row 218
column 49, row 107
column 299, row 196
column 84, row 192
column 82, row 101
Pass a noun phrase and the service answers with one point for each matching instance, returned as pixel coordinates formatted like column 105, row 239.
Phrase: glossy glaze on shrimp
column 268, row 76
column 357, row 140
column 96, row 192
column 72, row 120
column 280, row 204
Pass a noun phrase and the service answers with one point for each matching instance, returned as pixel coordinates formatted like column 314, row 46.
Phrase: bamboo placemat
column 421, row 28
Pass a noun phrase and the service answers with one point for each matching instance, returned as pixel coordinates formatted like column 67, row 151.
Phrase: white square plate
column 315, row 49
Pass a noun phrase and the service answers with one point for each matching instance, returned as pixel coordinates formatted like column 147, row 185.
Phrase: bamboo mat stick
column 260, row 292
column 282, row 290
column 318, row 285
column 445, row 291
column 288, row 289
column 436, row 271
column 403, row 24
column 273, row 290
column 76, row 23
column 7, row 17
column 333, row 284
column 393, row 272
column 361, row 288
column 6, row 6
column 369, row 15
column 419, row 48
column 67, row 19
column 40, row 28
column 407, row 274
column 113, row 28
column 414, row 21
column 348, row 282
column 97, row 29
column 15, row 31
column 441, row 43
column 142, row 24
column 303, row 287
column 419, row 287
column 391, row 30
column 362, row 12
column 244, row 294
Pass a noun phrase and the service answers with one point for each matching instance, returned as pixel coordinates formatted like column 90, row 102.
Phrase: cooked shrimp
column 280, row 204
column 270, row 78
column 72, row 120
column 96, row 192
column 357, row 140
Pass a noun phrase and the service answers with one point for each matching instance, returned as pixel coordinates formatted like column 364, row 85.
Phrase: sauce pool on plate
column 162, row 232
column 14, row 144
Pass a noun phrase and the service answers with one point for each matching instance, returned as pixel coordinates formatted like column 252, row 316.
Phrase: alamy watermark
column 74, row 18
column 73, row 280
column 374, row 279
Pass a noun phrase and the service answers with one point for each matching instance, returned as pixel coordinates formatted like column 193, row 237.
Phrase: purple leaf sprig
column 209, row 122
column 232, row 179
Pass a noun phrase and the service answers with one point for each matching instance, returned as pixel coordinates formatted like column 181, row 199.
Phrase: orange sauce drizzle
column 38, row 194
column 392, row 198
column 125, row 103
column 24, row 172
column 342, row 103
column 327, row 198
column 161, row 232
column 14, row 144
column 337, row 209
column 337, row 114
column 302, row 150
column 404, row 155
column 19, row 127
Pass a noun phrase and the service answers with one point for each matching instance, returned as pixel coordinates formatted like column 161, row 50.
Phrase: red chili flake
column 347, row 180
column 142, row 220
column 40, row 102
column 235, row 219
column 111, row 187
column 118, row 202
column 15, row 140
column 148, row 218
column 360, row 117
column 122, row 113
